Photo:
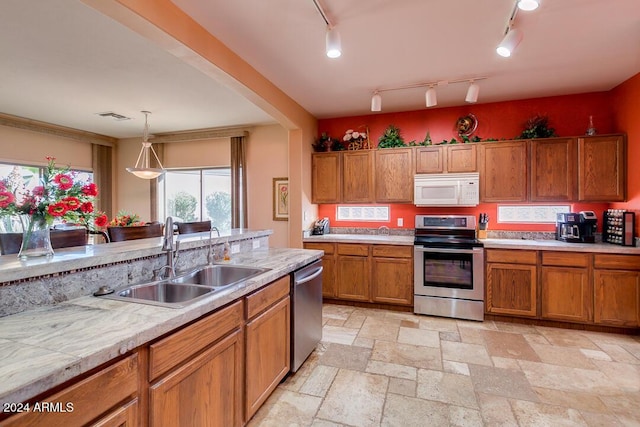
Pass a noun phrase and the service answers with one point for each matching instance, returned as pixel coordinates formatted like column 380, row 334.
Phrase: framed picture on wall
column 280, row 199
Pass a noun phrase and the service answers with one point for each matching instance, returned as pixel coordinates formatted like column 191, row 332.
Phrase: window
column 542, row 214
column 197, row 195
column 362, row 213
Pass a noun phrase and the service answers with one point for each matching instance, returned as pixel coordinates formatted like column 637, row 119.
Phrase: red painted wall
column 625, row 102
column 569, row 115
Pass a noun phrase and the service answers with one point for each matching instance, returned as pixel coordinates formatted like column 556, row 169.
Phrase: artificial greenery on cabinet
column 391, row 138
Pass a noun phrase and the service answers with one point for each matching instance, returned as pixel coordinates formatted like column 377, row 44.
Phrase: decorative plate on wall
column 466, row 125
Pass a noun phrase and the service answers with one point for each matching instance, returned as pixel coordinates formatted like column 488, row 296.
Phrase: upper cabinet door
column 553, row 170
column 430, row 159
column 325, row 178
column 602, row 175
column 503, row 171
column 357, row 177
column 461, row 158
column 394, row 175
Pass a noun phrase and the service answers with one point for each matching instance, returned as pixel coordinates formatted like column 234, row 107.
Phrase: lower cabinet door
column 268, row 354
column 353, row 278
column 125, row 416
column 617, row 296
column 511, row 289
column 205, row 391
column 566, row 294
column 392, row 281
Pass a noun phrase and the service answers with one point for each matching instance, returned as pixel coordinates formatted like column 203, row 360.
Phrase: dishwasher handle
column 310, row 277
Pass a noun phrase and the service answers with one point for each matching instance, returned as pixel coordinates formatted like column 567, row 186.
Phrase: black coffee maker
column 576, row 227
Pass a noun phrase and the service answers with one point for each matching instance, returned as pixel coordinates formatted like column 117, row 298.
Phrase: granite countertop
column 555, row 245
column 361, row 238
column 67, row 259
column 45, row 347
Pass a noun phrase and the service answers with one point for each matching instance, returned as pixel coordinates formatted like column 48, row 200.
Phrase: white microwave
column 447, row 189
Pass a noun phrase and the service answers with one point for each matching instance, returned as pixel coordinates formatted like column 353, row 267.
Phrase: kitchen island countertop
column 45, row 347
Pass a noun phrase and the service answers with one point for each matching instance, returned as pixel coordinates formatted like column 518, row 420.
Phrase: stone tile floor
column 383, row 368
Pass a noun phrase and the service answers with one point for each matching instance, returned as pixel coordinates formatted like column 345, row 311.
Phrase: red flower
column 64, row 181
column 57, row 209
column 86, row 207
column 73, row 203
column 101, row 220
column 6, row 198
column 90, row 190
column 38, row 190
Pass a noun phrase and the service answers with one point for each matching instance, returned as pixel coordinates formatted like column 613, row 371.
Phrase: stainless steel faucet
column 209, row 255
column 170, row 247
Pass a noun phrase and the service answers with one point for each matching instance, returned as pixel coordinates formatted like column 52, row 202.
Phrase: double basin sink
column 188, row 287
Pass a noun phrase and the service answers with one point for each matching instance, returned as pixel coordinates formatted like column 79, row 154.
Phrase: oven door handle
column 447, row 251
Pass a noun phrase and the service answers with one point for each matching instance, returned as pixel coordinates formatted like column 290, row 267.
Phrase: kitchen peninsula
column 125, row 357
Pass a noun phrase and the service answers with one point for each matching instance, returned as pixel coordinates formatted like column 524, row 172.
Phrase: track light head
column 334, row 46
column 509, row 43
column 472, row 93
column 431, row 97
column 528, row 5
column 376, row 102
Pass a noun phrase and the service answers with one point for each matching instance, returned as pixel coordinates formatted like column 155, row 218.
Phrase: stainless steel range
column 449, row 267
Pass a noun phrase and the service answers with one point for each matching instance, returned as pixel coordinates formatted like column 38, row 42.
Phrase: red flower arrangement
column 59, row 197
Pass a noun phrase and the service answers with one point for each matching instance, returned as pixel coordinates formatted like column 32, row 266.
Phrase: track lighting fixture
column 333, row 45
column 472, row 93
column 528, row 4
column 511, row 40
column 376, row 102
column 431, row 97
column 142, row 168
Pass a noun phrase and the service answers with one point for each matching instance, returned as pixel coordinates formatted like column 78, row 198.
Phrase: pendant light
column 376, row 102
column 431, row 97
column 509, row 43
column 334, row 46
column 142, row 168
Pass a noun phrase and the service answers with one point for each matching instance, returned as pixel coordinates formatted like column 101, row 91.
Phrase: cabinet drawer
column 353, row 249
column 619, row 262
column 263, row 298
column 565, row 259
column 112, row 385
column 328, row 248
column 180, row 346
column 514, row 257
column 392, row 251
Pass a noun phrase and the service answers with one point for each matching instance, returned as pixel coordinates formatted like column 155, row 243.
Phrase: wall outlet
column 235, row 249
column 256, row 244
column 400, row 222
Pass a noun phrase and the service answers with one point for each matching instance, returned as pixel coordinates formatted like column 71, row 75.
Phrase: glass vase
column 36, row 238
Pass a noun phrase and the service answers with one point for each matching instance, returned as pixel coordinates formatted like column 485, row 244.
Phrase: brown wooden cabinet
column 196, row 373
column 617, row 290
column 392, row 274
column 446, row 158
column 566, row 287
column 394, row 175
column 503, row 171
column 357, row 177
column 602, row 168
column 329, row 287
column 353, row 272
column 99, row 396
column 325, row 177
column 553, row 170
column 511, row 282
column 204, row 391
column 267, row 343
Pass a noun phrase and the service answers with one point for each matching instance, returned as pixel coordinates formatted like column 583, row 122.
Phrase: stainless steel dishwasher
column 306, row 321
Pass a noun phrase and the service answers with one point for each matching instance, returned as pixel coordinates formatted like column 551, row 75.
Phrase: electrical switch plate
column 256, row 244
column 400, row 222
column 235, row 249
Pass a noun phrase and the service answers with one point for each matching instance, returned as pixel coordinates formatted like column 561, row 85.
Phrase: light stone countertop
column 556, row 245
column 361, row 238
column 553, row 245
column 67, row 259
column 45, row 347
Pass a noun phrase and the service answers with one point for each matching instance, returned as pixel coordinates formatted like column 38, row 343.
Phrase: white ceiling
column 63, row 62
